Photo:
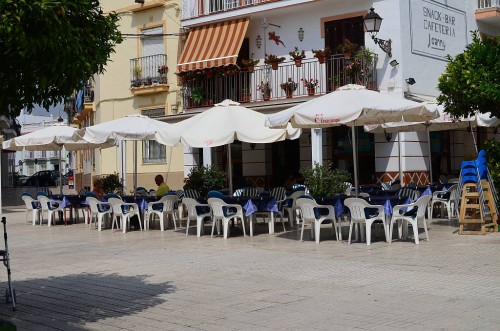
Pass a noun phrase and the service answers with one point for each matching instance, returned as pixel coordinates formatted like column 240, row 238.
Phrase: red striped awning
column 213, row 45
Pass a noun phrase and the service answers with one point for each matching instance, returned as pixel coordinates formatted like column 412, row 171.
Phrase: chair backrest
column 443, row 179
column 141, row 191
column 82, row 191
column 356, row 207
column 190, row 204
column 386, row 185
column 250, row 192
column 306, row 206
column 453, row 192
column 180, row 194
column 422, row 203
column 30, row 203
column 112, row 196
column 92, row 201
column 215, row 194
column 409, row 192
column 279, row 193
column 116, row 205
column 190, row 193
column 217, row 205
column 44, row 193
column 238, row 192
column 44, row 201
column 169, row 202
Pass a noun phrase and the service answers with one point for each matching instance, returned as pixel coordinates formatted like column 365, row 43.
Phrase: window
column 153, row 152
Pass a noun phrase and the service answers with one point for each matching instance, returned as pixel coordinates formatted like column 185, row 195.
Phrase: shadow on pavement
column 69, row 302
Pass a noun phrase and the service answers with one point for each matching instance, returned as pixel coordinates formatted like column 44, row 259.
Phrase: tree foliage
column 323, row 180
column 471, row 82
column 492, row 148
column 49, row 48
column 205, row 178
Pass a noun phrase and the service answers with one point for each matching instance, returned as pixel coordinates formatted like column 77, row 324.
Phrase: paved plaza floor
column 75, row 278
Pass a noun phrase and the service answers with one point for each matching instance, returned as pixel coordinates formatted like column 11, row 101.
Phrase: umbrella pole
column 430, row 157
column 1, row 206
column 473, row 138
column 400, row 159
column 230, row 170
column 60, row 172
column 355, row 158
column 135, row 166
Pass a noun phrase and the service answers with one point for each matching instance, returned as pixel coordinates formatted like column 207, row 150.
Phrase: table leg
column 271, row 223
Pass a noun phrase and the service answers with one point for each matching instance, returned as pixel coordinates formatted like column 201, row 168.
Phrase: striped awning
column 213, row 45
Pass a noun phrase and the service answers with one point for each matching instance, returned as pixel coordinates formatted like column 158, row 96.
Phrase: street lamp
column 372, row 23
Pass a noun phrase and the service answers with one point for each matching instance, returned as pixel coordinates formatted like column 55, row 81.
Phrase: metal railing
column 202, row 90
column 192, row 9
column 147, row 70
column 487, row 4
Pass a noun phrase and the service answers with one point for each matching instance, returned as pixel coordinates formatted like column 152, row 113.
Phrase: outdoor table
column 71, row 201
column 251, row 206
column 388, row 202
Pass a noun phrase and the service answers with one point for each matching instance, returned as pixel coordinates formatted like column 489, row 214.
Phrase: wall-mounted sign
column 437, row 30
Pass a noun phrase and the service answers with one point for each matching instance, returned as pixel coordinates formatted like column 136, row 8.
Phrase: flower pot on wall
column 266, row 96
column 288, row 94
column 246, row 97
column 274, row 65
column 311, row 91
column 250, row 68
column 298, row 62
column 321, row 59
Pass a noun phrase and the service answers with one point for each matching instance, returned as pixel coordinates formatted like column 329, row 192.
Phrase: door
column 286, row 161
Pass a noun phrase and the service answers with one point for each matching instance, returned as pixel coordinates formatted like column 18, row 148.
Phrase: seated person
column 162, row 186
column 98, row 189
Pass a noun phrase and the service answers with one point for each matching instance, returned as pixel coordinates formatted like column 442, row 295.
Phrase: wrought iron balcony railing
column 148, row 70
column 195, row 8
column 213, row 86
column 488, row 4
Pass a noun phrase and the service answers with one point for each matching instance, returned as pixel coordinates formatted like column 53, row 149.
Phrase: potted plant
column 310, row 85
column 197, row 96
column 297, row 56
column 265, row 89
column 162, row 70
column 250, row 63
column 289, row 87
column 148, row 81
column 111, row 184
column 352, row 70
column 334, row 82
column 205, row 178
column 321, row 54
column 137, row 72
column 273, row 60
column 246, row 96
column 325, row 181
column 347, row 48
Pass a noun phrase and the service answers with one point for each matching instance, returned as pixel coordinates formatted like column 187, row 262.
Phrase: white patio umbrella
column 129, row 128
column 445, row 121
column 221, row 125
column 352, row 105
column 52, row 138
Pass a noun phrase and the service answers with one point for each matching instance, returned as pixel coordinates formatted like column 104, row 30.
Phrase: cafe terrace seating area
column 370, row 217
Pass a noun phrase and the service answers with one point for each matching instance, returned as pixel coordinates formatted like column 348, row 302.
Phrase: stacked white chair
column 221, row 213
column 193, row 214
column 32, row 206
column 98, row 210
column 357, row 208
column 406, row 213
column 162, row 208
column 124, row 211
column 51, row 207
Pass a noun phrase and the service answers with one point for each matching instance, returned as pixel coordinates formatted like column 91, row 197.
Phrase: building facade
column 139, row 79
column 407, row 57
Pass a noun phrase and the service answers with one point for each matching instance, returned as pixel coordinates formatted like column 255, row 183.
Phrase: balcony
column 205, row 88
column 148, row 74
column 488, row 11
column 196, row 8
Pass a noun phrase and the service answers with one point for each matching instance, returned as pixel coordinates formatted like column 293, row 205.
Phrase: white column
column 317, row 146
column 355, row 158
column 207, row 156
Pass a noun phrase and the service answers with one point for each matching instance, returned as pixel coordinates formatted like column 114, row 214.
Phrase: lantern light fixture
column 301, row 34
column 258, row 41
column 372, row 22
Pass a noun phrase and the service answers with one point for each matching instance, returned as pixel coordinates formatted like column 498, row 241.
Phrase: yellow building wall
column 114, row 99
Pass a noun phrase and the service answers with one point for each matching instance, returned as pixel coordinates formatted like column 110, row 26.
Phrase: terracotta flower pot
column 274, row 65
column 245, row 97
column 321, row 59
column 266, row 96
column 311, row 91
column 298, row 62
column 289, row 94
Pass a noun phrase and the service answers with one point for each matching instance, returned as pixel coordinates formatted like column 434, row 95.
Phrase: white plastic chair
column 293, row 209
column 222, row 212
column 406, row 213
column 124, row 211
column 161, row 208
column 307, row 207
column 279, row 194
column 446, row 199
column 32, row 206
column 191, row 205
column 98, row 210
column 357, row 208
column 50, row 207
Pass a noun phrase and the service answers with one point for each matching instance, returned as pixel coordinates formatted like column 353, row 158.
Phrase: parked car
column 43, row 178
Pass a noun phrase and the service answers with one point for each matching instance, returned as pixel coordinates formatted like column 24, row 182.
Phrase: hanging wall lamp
column 372, row 23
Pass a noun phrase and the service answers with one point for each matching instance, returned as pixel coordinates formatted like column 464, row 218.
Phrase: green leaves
column 323, row 180
column 49, row 47
column 205, row 178
column 471, row 82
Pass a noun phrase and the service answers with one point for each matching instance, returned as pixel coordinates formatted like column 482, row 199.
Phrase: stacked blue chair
column 478, row 197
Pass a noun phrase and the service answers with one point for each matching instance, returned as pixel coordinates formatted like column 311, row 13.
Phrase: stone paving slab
column 76, row 278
